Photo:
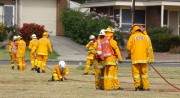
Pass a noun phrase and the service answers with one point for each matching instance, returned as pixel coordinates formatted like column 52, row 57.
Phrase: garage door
column 42, row 12
column 1, row 14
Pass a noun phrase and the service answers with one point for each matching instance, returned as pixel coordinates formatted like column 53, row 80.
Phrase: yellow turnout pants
column 140, row 75
column 33, row 60
column 13, row 59
column 88, row 63
column 99, row 75
column 42, row 59
column 111, row 77
column 21, row 63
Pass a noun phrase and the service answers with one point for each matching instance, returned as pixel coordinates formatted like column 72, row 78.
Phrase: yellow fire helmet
column 134, row 28
column 45, row 34
column 109, row 31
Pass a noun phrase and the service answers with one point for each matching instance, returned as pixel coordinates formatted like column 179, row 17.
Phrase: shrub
column 31, row 28
column 7, row 32
column 79, row 26
column 163, row 42
column 157, row 30
column 3, row 35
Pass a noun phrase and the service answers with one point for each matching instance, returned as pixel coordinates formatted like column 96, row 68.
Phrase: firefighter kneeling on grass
column 13, row 50
column 141, row 52
column 60, row 71
column 98, row 63
column 112, row 54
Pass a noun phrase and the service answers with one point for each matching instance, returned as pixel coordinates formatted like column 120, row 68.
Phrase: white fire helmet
column 62, row 64
column 92, row 37
column 15, row 38
column 102, row 32
column 33, row 36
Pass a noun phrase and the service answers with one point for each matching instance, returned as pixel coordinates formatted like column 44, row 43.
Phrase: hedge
column 79, row 26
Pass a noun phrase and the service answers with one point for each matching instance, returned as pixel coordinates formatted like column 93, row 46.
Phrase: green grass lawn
column 4, row 54
column 30, row 84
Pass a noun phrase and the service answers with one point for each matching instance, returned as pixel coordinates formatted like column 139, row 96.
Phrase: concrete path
column 68, row 49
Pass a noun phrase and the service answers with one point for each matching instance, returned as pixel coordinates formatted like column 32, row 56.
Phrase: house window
column 1, row 14
column 165, row 18
column 116, row 15
column 127, row 18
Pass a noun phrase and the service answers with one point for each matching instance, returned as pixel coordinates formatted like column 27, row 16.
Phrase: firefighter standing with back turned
column 21, row 45
column 44, row 45
column 32, row 47
column 111, row 54
column 90, row 55
column 98, row 63
column 139, row 48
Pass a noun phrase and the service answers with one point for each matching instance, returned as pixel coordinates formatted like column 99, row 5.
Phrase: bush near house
column 79, row 26
column 2, row 33
column 7, row 32
column 31, row 28
column 163, row 40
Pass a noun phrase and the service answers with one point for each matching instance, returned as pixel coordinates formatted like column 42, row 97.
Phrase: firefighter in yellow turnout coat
column 32, row 47
column 90, row 55
column 98, row 63
column 60, row 71
column 44, row 45
column 13, row 50
column 112, row 54
column 139, row 48
column 21, row 53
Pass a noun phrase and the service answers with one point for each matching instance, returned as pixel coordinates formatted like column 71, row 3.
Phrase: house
column 150, row 13
column 43, row 12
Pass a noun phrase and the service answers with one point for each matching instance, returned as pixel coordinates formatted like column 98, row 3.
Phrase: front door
column 173, row 21
column 9, row 15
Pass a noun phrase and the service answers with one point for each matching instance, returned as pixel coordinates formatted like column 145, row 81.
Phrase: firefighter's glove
column 92, row 51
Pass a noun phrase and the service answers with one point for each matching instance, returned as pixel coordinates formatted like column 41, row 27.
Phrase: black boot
column 12, row 67
column 32, row 69
column 38, row 70
column 137, row 89
column 85, row 74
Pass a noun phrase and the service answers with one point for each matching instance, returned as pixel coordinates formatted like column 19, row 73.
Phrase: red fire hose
column 163, row 77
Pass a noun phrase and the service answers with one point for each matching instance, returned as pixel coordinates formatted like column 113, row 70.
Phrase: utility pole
column 133, row 11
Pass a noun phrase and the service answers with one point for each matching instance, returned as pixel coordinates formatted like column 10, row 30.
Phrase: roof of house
column 99, row 3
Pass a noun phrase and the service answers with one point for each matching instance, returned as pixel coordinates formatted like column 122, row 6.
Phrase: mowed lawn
column 29, row 84
column 5, row 55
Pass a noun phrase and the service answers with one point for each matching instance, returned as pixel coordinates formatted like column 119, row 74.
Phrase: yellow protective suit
column 90, row 55
column 150, row 49
column 110, row 66
column 32, row 47
column 21, row 53
column 138, row 46
column 12, row 50
column 59, row 74
column 98, row 70
column 44, row 45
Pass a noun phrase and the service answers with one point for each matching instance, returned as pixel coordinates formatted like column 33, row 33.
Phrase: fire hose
column 163, row 77
column 148, row 63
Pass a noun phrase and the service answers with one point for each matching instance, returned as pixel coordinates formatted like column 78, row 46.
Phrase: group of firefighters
column 103, row 53
column 39, row 50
